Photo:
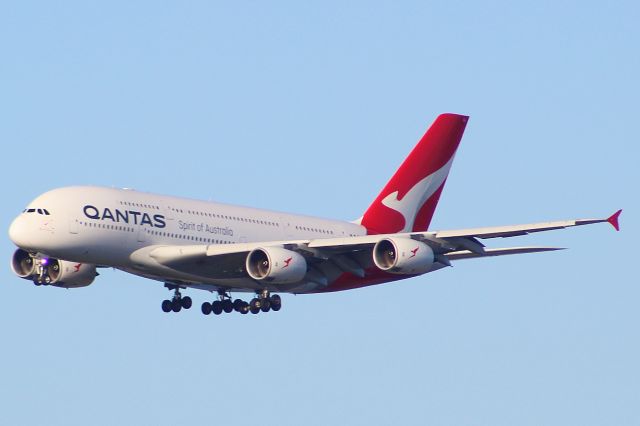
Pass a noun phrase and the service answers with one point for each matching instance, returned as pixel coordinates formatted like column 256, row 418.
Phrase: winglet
column 613, row 220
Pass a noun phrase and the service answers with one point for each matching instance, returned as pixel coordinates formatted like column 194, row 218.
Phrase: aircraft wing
column 452, row 240
column 515, row 230
column 329, row 257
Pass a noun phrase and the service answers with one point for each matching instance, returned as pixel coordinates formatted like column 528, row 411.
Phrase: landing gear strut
column 177, row 302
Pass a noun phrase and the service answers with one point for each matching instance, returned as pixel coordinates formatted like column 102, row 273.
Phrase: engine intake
column 22, row 264
column 276, row 265
column 403, row 256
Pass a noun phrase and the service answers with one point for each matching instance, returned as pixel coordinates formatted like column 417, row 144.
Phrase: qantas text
column 125, row 216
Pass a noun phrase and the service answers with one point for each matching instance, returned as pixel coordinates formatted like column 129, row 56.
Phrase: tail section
column 409, row 199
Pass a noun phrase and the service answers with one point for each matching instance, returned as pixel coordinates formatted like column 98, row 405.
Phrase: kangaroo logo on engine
column 131, row 217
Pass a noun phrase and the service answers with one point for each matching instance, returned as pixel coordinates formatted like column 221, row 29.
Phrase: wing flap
column 466, row 254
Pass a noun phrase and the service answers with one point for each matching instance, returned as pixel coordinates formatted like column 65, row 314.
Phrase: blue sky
column 309, row 108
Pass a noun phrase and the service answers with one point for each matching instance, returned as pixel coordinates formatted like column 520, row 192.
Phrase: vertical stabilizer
column 409, row 199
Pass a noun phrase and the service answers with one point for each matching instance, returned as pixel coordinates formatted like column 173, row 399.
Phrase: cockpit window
column 39, row 211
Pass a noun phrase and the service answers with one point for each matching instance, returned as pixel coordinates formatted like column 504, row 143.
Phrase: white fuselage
column 104, row 226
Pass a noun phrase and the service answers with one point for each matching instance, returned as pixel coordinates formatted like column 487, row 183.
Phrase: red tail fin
column 409, row 199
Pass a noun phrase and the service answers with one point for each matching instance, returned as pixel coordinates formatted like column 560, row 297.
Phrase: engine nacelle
column 276, row 265
column 49, row 271
column 70, row 274
column 403, row 256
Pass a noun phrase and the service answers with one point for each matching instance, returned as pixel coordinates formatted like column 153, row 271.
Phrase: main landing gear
column 177, row 303
column 223, row 304
column 263, row 301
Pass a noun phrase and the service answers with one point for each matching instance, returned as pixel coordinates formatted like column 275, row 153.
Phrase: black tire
column 237, row 305
column 206, row 308
column 176, row 306
column 166, row 306
column 254, row 306
column 276, row 302
column 186, row 302
column 244, row 309
column 227, row 305
column 265, row 305
column 216, row 307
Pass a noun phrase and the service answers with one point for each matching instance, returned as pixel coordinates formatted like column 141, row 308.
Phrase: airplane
column 66, row 234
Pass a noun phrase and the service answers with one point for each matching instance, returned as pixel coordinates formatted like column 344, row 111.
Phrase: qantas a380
column 64, row 235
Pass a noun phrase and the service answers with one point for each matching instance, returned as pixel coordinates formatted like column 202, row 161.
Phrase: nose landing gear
column 42, row 276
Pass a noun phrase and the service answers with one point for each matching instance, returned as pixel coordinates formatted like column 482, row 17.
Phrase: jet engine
column 23, row 264
column 403, row 256
column 276, row 265
column 50, row 271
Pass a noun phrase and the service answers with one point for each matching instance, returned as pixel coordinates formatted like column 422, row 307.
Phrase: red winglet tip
column 613, row 220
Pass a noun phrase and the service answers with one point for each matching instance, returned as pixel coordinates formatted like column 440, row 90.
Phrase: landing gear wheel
column 206, row 308
column 227, row 305
column 254, row 306
column 265, row 305
column 186, row 302
column 244, row 309
column 216, row 307
column 237, row 305
column 276, row 302
column 177, row 302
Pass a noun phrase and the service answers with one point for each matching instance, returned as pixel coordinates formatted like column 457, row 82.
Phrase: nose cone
column 18, row 232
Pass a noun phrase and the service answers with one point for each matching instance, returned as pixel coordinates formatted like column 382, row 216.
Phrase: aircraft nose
column 18, row 232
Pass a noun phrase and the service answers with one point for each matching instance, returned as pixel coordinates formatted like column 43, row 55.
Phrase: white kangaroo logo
column 415, row 198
